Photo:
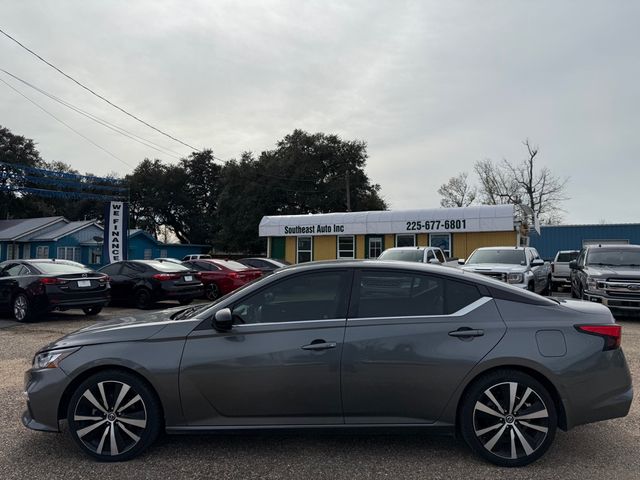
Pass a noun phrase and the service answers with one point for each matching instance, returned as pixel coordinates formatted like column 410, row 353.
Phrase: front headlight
column 592, row 283
column 515, row 278
column 52, row 358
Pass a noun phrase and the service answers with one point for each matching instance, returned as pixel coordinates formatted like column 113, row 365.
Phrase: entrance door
column 278, row 248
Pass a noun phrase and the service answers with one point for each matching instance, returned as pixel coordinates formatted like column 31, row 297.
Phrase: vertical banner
column 116, row 229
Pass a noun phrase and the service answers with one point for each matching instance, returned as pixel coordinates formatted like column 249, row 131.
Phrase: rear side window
column 567, row 257
column 399, row 294
column 112, row 269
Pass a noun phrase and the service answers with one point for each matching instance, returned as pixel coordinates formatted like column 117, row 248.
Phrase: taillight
column 163, row 277
column 612, row 334
column 553, row 268
column 233, row 275
column 52, row 281
column 104, row 279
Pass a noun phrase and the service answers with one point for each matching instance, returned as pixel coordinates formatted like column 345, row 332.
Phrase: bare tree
column 457, row 192
column 523, row 183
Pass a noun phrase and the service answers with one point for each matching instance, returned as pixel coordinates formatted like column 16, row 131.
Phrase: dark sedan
column 266, row 265
column 30, row 288
column 146, row 282
column 358, row 345
column 222, row 276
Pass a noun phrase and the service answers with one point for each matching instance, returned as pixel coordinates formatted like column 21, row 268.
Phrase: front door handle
column 466, row 332
column 319, row 345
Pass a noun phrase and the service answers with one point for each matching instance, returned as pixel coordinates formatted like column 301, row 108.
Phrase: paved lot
column 605, row 450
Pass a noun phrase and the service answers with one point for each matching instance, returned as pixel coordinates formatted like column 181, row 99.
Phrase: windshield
column 403, row 255
column 506, row 256
column 614, row 258
column 59, row 268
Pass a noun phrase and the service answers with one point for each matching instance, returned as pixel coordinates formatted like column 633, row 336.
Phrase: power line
column 105, row 123
column 97, row 94
column 64, row 123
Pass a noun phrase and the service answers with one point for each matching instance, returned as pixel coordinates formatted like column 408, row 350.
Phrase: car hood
column 604, row 271
column 123, row 329
column 493, row 267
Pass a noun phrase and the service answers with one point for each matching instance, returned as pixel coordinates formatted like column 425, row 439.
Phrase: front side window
column 375, row 247
column 406, row 240
column 315, row 296
column 346, row 246
column 398, row 294
column 305, row 249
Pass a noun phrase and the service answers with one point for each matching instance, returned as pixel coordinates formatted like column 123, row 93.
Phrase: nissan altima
column 344, row 345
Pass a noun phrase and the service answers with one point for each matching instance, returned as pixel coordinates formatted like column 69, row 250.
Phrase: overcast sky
column 432, row 87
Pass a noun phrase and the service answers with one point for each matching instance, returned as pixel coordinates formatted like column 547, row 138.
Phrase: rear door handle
column 319, row 345
column 465, row 332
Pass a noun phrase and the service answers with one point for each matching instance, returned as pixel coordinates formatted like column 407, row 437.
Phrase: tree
column 523, row 183
column 457, row 192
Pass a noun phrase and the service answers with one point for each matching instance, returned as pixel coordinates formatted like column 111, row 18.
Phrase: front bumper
column 562, row 280
column 43, row 391
column 618, row 303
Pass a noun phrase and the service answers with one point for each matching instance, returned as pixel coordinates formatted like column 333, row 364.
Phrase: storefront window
column 346, row 247
column 406, row 240
column 441, row 240
column 42, row 252
column 69, row 253
column 305, row 249
column 375, row 247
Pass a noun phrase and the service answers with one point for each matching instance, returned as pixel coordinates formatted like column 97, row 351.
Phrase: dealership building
column 329, row 236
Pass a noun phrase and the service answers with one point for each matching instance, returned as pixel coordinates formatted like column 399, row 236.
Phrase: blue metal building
column 573, row 237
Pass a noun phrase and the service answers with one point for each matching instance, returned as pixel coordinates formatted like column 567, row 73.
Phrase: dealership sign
column 116, row 228
column 482, row 218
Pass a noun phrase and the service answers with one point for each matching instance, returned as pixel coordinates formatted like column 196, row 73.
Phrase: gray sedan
column 347, row 345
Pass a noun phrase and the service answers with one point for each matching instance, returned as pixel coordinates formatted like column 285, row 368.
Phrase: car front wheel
column 114, row 416
column 22, row 308
column 508, row 418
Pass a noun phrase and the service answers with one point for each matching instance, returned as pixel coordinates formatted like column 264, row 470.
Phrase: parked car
column 222, row 276
column 266, row 265
column 432, row 255
column 31, row 288
column 198, row 256
column 519, row 266
column 560, row 271
column 341, row 344
column 608, row 274
column 169, row 259
column 146, row 282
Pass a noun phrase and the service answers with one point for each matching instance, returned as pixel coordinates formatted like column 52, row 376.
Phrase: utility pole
column 346, row 177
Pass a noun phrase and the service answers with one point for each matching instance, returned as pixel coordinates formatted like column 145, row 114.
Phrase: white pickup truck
column 433, row 255
column 519, row 266
column 560, row 270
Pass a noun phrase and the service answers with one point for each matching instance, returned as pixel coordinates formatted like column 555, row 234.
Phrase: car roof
column 503, row 248
column 422, row 247
column 622, row 246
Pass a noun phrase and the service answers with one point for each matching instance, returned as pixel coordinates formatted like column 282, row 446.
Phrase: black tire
column 555, row 287
column 573, row 292
column 91, row 311
column 547, row 289
column 212, row 292
column 21, row 308
column 142, row 298
column 530, row 434
column 132, row 429
column 185, row 301
column 531, row 287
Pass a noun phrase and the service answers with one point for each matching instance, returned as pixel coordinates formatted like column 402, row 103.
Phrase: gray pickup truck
column 519, row 266
column 608, row 274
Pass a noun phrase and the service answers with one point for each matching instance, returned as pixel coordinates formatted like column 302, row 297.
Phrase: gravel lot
column 605, row 450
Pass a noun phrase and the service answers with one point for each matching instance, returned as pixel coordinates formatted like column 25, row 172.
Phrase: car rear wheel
column 143, row 298
column 21, row 308
column 114, row 416
column 90, row 311
column 213, row 291
column 508, row 418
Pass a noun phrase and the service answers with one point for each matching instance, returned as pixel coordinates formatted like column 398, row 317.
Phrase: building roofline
column 35, row 229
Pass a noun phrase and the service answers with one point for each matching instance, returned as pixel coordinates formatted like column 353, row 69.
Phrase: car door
column 279, row 364
column 411, row 338
column 8, row 283
column 116, row 280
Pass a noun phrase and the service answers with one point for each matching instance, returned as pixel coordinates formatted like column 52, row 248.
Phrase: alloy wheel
column 213, row 292
column 110, row 418
column 511, row 420
column 20, row 308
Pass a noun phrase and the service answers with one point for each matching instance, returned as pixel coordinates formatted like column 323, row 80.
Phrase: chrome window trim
column 296, row 322
column 463, row 311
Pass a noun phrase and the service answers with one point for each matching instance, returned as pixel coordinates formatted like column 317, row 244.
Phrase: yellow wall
column 389, row 241
column 360, row 246
column 422, row 240
column 290, row 248
column 465, row 243
column 325, row 248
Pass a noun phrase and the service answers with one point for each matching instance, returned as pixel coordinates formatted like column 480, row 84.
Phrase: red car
column 222, row 276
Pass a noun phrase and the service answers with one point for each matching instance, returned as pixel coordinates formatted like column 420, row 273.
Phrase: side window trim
column 460, row 313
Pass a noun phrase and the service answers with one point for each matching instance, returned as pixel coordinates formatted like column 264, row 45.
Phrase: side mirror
column 434, row 261
column 538, row 262
column 573, row 265
column 461, row 261
column 223, row 320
